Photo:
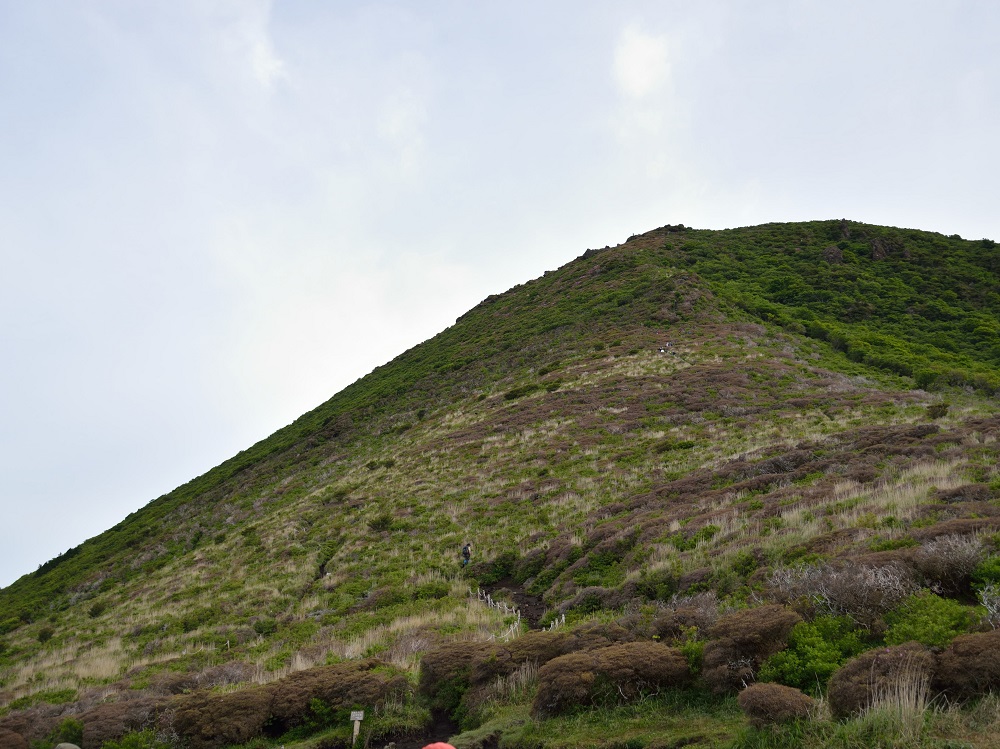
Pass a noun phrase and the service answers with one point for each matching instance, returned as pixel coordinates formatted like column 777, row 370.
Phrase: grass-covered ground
column 828, row 393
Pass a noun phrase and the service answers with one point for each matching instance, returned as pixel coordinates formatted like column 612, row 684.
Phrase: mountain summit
column 692, row 426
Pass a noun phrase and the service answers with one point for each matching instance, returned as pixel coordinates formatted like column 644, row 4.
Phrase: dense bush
column 454, row 675
column 740, row 641
column 970, row 666
column 815, row 651
column 618, row 672
column 144, row 739
column 947, row 562
column 930, row 620
column 206, row 720
column 11, row 740
column 864, row 593
column 504, row 659
column 857, row 684
column 445, row 672
column 686, row 615
column 766, row 704
column 115, row 719
column 987, row 572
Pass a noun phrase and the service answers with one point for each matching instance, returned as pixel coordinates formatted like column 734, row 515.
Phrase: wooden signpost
column 357, row 716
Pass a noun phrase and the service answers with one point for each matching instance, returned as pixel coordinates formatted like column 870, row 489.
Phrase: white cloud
column 642, row 63
column 246, row 36
column 401, row 123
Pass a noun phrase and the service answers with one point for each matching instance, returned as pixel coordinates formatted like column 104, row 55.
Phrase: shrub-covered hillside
column 688, row 464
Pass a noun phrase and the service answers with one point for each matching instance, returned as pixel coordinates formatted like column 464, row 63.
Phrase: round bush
column 765, row 704
column 815, row 651
column 970, row 666
column 625, row 671
column 929, row 620
column 859, row 682
column 739, row 642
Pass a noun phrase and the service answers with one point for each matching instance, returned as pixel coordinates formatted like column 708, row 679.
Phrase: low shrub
column 740, row 641
column 965, row 493
column 686, row 613
column 344, row 685
column 145, row 739
column 456, row 675
column 494, row 570
column 113, row 720
column 929, row 620
column 445, row 672
column 69, row 731
column 947, row 562
column 987, row 572
column 815, row 651
column 206, row 720
column 11, row 740
column 504, row 659
column 864, row 593
column 858, row 683
column 265, row 626
column 767, row 704
column 937, row 410
column 626, row 671
column 969, row 666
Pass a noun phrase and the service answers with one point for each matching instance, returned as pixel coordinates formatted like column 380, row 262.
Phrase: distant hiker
column 466, row 554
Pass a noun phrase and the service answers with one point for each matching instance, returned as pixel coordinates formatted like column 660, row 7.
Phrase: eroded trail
column 532, row 608
column 441, row 729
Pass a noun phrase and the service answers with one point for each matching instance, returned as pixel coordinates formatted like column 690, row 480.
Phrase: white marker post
column 357, row 716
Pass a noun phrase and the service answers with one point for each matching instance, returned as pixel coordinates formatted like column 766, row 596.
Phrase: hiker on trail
column 466, row 554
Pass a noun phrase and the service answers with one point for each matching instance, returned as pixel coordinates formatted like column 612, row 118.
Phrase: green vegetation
column 913, row 303
column 930, row 619
column 783, row 451
column 815, row 650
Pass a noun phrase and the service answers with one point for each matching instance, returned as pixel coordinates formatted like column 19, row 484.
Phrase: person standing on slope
column 466, row 555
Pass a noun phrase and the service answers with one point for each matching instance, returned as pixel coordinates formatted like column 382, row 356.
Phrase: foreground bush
column 11, row 740
column 875, row 674
column 739, row 642
column 115, row 719
column 455, row 675
column 948, row 562
column 766, row 704
column 206, row 720
column 865, row 593
column 970, row 666
column 445, row 672
column 815, row 651
column 618, row 672
column 929, row 620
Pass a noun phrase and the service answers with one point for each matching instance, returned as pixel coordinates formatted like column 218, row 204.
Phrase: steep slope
column 680, row 413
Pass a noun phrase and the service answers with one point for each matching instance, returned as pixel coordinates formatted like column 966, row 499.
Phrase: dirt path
column 531, row 607
column 441, row 729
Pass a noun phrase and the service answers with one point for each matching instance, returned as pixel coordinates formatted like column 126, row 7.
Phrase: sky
column 215, row 214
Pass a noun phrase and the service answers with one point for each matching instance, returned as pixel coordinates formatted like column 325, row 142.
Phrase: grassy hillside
column 828, row 393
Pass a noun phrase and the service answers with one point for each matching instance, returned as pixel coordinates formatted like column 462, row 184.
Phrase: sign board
column 357, row 715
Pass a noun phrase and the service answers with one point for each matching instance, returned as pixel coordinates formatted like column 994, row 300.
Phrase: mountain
column 694, row 420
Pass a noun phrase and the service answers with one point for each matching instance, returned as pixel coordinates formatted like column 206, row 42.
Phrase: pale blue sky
column 214, row 214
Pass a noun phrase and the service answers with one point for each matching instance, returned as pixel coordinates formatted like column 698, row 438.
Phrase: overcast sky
column 215, row 214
